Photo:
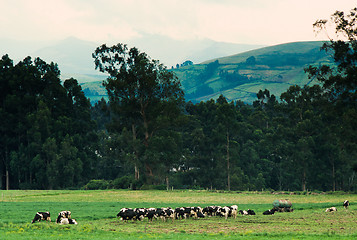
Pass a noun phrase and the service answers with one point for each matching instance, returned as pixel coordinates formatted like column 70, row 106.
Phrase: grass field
column 95, row 212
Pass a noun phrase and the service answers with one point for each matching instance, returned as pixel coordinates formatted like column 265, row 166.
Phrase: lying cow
column 331, row 209
column 250, row 212
column 246, row 212
column 270, row 211
column 42, row 216
column 346, row 203
column 243, row 212
column 65, row 221
column 63, row 214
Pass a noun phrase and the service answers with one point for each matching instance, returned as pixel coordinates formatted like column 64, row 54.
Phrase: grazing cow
column 331, row 209
column 127, row 214
column 63, row 214
column 233, row 211
column 42, row 216
column 270, row 211
column 346, row 203
column 160, row 213
column 151, row 213
column 179, row 213
column 140, row 213
column 224, row 212
column 65, row 221
column 183, row 212
column 196, row 212
column 210, row 210
column 169, row 213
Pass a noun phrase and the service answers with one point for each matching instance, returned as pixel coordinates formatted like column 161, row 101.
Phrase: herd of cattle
column 181, row 213
column 64, row 217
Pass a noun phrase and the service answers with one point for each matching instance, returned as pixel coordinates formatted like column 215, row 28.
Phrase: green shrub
column 123, row 182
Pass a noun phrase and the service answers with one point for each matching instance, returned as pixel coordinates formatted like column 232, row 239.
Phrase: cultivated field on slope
column 275, row 68
column 95, row 212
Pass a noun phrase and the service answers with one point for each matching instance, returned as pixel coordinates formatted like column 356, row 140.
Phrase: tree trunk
column 146, row 125
column 7, row 180
column 137, row 174
column 7, row 177
column 228, row 164
column 136, row 169
column 304, row 180
column 167, row 183
column 333, row 177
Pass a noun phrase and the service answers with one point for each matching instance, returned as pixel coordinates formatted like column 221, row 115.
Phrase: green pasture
column 95, row 212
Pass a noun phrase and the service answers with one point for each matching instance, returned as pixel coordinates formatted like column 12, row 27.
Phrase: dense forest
column 148, row 136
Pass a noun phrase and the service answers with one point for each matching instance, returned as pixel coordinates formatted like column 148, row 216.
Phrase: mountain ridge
column 241, row 76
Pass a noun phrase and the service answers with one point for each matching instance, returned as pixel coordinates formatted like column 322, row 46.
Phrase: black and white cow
column 140, row 213
column 223, row 212
column 270, row 211
column 234, row 211
column 183, row 212
column 197, row 212
column 151, row 213
column 210, row 210
column 227, row 211
column 164, row 213
column 243, row 212
column 250, row 212
column 331, row 209
column 42, row 216
column 65, row 221
column 160, row 213
column 246, row 212
column 127, row 214
column 63, row 214
column 346, row 203
column 169, row 213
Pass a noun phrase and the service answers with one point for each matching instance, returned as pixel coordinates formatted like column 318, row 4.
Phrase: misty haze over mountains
column 74, row 55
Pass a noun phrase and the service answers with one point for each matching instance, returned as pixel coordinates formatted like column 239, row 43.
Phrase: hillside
column 241, row 76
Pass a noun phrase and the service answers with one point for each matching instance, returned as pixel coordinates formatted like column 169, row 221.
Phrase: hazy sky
column 265, row 22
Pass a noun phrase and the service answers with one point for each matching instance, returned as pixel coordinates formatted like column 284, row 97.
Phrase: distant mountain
column 171, row 52
column 241, row 76
column 74, row 56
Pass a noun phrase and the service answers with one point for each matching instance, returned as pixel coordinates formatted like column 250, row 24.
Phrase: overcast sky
column 264, row 22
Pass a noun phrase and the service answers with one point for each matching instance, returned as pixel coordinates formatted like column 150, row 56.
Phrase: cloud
column 254, row 21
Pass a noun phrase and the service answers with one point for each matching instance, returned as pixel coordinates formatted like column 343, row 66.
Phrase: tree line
column 147, row 135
